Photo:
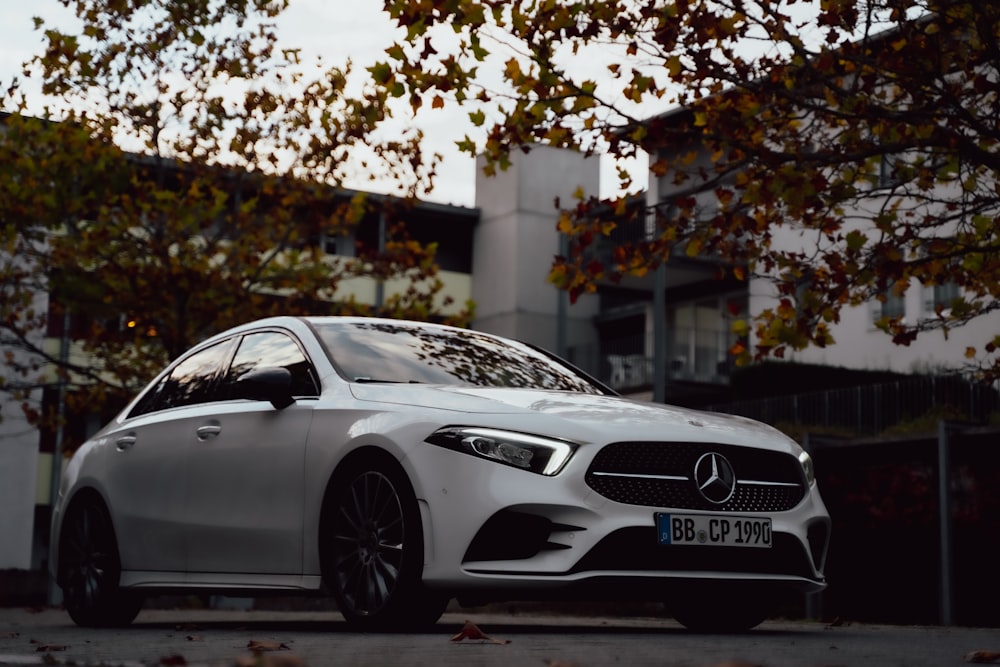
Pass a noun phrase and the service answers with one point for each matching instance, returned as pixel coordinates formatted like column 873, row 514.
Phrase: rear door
column 146, row 481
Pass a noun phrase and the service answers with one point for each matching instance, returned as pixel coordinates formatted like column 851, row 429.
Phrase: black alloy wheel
column 719, row 609
column 374, row 552
column 90, row 568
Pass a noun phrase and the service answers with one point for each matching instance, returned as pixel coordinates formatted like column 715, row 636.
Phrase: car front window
column 271, row 349
column 398, row 352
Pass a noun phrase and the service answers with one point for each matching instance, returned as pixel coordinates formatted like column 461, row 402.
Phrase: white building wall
column 19, row 470
column 860, row 345
column 516, row 241
column 456, row 286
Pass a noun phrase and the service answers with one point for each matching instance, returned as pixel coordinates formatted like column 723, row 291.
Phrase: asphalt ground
column 512, row 637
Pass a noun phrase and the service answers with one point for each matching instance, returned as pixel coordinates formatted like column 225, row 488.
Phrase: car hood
column 582, row 417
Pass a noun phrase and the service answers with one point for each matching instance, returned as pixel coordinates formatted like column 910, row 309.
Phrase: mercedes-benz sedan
column 397, row 465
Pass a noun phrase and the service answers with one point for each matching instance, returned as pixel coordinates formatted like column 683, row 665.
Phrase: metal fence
column 871, row 409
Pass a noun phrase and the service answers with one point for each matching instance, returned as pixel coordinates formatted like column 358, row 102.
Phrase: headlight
column 545, row 456
column 807, row 467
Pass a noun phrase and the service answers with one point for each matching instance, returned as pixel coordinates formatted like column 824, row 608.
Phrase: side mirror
column 267, row 384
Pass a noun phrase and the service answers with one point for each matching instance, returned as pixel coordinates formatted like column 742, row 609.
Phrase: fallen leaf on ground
column 10, row 635
column 173, row 660
column 983, row 656
column 50, row 648
column 42, row 647
column 471, row 631
column 259, row 646
column 195, row 638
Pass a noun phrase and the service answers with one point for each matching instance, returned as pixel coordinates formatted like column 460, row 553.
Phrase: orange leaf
column 258, row 646
column 471, row 631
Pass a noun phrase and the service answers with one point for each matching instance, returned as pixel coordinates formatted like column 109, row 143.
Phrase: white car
column 397, row 465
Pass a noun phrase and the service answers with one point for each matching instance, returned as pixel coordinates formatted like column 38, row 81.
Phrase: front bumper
column 491, row 527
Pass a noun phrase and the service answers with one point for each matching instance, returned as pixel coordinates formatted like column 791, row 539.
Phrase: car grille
column 661, row 474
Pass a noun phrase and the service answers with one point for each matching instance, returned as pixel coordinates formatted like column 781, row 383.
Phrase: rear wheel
column 373, row 550
column 90, row 568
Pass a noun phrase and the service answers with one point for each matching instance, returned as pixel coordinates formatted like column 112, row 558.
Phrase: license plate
column 712, row 529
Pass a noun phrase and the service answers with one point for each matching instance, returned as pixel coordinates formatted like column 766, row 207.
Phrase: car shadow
column 493, row 628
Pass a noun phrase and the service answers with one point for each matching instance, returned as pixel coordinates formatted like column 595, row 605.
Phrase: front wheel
column 90, row 568
column 373, row 550
column 718, row 610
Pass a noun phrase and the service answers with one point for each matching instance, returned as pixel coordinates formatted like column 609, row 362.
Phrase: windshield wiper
column 370, row 380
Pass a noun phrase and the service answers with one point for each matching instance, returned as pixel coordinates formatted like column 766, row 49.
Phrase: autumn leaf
column 472, row 632
column 263, row 646
column 983, row 657
column 834, row 138
column 49, row 648
column 160, row 235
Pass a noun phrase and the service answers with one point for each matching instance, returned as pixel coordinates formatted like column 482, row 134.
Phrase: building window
column 888, row 173
column 338, row 244
column 940, row 298
column 888, row 305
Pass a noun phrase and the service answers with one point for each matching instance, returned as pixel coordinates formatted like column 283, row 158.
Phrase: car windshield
column 390, row 352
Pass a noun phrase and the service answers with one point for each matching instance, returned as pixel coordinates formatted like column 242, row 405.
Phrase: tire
column 372, row 550
column 716, row 610
column 90, row 568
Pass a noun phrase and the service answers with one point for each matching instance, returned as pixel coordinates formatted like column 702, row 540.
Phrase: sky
column 332, row 29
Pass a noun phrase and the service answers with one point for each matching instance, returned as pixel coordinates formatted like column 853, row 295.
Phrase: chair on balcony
column 630, row 370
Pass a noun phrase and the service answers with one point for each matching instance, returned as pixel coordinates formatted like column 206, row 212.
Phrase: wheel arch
column 372, row 593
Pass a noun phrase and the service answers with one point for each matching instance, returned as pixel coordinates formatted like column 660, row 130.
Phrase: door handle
column 208, row 431
column 125, row 442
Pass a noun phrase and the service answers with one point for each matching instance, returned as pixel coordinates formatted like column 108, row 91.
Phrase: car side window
column 191, row 381
column 273, row 349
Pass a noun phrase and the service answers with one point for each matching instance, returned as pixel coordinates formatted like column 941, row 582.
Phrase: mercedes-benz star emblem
column 715, row 478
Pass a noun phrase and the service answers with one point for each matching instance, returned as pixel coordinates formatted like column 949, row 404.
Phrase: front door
column 245, row 491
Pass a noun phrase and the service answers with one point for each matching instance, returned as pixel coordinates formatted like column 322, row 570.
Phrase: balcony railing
column 627, row 363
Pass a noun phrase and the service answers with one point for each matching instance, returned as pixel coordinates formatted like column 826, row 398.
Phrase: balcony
column 627, row 364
